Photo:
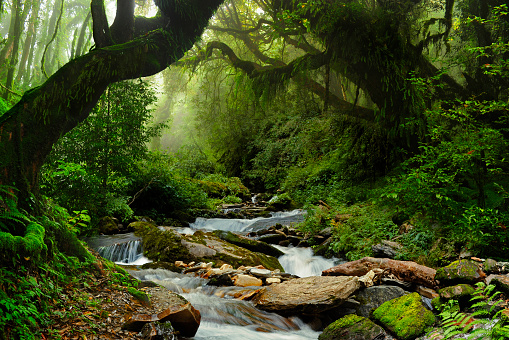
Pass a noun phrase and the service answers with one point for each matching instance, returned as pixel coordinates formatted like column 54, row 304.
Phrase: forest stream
column 223, row 317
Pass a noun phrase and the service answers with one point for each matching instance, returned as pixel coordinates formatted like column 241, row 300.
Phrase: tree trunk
column 81, row 39
column 29, row 130
column 28, row 41
column 15, row 47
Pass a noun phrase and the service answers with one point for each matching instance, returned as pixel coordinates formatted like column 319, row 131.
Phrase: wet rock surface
column 310, row 295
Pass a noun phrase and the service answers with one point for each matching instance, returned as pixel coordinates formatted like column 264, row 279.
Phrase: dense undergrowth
column 46, row 290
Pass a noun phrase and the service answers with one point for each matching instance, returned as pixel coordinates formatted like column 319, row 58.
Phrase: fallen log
column 407, row 271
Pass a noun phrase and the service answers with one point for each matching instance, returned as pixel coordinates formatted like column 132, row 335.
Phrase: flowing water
column 248, row 225
column 223, row 316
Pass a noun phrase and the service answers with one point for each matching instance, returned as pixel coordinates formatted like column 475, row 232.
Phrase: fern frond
column 479, row 333
column 497, row 293
column 492, row 308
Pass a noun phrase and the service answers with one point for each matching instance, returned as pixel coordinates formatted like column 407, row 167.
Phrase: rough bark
column 36, row 122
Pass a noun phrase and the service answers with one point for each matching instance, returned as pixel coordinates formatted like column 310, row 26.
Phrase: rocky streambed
column 241, row 290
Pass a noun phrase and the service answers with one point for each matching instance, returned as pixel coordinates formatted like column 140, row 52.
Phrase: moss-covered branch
column 45, row 113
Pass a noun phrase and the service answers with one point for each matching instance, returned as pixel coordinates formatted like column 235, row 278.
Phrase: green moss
column 461, row 270
column 139, row 295
column 351, row 327
column 249, row 244
column 159, row 245
column 437, row 303
column 457, row 291
column 405, row 316
column 32, row 244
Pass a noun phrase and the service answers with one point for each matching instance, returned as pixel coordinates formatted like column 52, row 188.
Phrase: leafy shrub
column 190, row 160
column 232, row 200
column 219, row 186
column 4, row 106
column 354, row 229
column 159, row 187
column 483, row 231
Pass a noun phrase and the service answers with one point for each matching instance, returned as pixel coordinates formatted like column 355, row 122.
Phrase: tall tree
column 131, row 47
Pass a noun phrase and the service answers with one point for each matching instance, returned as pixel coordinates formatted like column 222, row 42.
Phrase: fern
column 9, row 213
column 455, row 322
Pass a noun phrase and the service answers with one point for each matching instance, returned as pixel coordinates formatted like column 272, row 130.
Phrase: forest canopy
column 389, row 112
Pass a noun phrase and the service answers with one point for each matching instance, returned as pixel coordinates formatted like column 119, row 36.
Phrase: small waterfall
column 247, row 225
column 254, row 198
column 302, row 262
column 130, row 252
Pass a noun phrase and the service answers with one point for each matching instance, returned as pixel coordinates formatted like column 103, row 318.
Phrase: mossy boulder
column 161, row 245
column 490, row 266
column 108, row 225
column 226, row 252
column 281, row 202
column 501, row 282
column 164, row 245
column 352, row 327
column 405, row 316
column 372, row 297
column 457, row 291
column 461, row 271
column 247, row 243
column 461, row 292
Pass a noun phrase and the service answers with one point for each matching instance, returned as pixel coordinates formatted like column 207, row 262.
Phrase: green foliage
column 115, row 134
column 493, row 326
column 93, row 166
column 354, row 229
column 11, row 218
column 191, row 161
column 4, row 106
column 220, row 186
column 159, row 188
column 484, row 231
column 79, row 222
column 72, row 186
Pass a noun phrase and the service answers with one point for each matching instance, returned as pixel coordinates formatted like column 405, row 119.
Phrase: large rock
column 373, row 297
column 184, row 318
column 461, row 271
column 456, row 292
column 499, row 281
column 352, row 327
column 387, row 249
column 242, row 280
column 163, row 244
column 158, row 331
column 405, row 316
column 407, row 271
column 248, row 243
column 226, row 252
column 306, row 295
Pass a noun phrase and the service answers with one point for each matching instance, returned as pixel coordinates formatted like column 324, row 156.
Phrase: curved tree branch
column 31, row 127
column 308, row 62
